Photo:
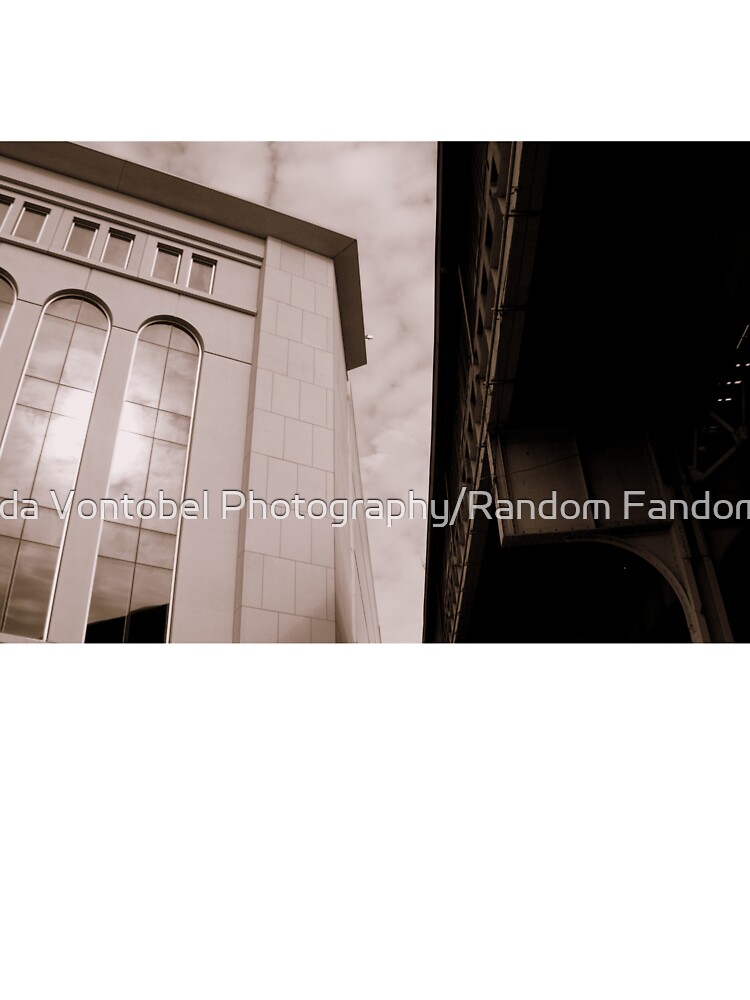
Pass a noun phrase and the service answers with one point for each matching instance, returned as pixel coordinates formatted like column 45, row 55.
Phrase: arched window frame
column 175, row 323
column 100, row 306
column 8, row 280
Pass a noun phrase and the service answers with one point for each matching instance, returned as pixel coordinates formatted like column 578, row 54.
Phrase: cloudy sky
column 383, row 194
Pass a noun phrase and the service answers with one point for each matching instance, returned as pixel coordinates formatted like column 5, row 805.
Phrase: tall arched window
column 135, row 567
column 41, row 454
column 7, row 298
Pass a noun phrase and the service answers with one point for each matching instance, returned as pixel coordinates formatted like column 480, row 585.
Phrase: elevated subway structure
column 592, row 309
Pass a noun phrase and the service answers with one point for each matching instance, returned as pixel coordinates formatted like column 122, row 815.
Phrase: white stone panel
column 268, row 315
column 252, row 579
column 315, row 267
column 268, row 433
column 132, row 303
column 329, row 408
column 312, row 404
column 324, row 301
column 209, row 548
column 323, row 631
column 273, row 252
column 224, row 331
column 298, row 442
column 272, row 353
column 324, row 369
column 261, row 534
column 310, row 590
column 278, row 585
column 292, row 259
column 278, row 285
column 302, row 293
column 257, row 475
column 286, row 396
column 282, row 479
column 323, row 448
column 294, row 628
column 296, row 535
column 263, row 389
column 311, row 484
column 301, row 362
column 289, row 322
column 321, row 551
column 258, row 626
column 314, row 330
column 37, row 282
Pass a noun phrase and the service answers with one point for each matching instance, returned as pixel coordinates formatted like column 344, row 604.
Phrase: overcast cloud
column 383, row 194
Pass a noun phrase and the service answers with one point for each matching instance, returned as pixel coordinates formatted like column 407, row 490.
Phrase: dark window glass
column 81, row 238
column 117, row 250
column 201, row 274
column 166, row 264
column 133, row 581
column 30, row 223
column 42, row 452
column 5, row 204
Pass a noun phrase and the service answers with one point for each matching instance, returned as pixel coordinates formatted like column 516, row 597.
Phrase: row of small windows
column 167, row 265
column 42, row 451
column 117, row 248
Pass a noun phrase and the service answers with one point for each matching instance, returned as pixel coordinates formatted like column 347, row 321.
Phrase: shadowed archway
column 572, row 592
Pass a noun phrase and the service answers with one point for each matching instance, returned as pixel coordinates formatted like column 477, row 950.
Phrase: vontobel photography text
column 341, row 511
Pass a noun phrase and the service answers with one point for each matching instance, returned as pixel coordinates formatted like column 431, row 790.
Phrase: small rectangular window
column 117, row 249
column 5, row 204
column 31, row 222
column 81, row 237
column 166, row 264
column 201, row 276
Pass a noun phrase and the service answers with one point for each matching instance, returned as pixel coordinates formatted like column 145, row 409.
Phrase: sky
column 382, row 194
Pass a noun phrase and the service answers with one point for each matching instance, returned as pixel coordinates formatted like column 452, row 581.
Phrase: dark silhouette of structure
column 592, row 312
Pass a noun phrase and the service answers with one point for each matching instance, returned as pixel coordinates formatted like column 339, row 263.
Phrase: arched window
column 41, row 454
column 7, row 298
column 135, row 567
